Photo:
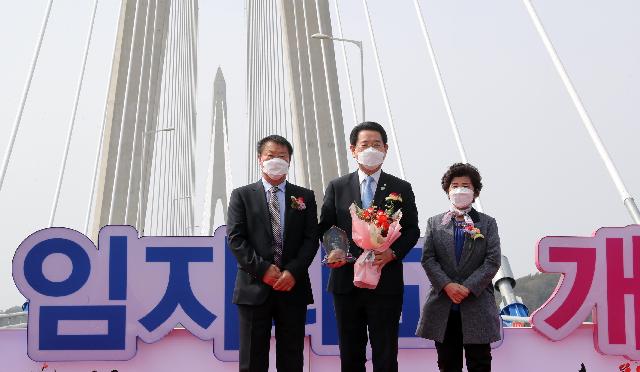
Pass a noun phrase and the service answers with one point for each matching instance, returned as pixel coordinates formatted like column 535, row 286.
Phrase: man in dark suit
column 379, row 309
column 271, row 231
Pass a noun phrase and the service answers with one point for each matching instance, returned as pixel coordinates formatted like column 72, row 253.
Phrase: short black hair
column 367, row 125
column 277, row 139
column 462, row 170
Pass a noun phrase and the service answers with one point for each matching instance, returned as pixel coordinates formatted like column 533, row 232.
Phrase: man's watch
column 393, row 253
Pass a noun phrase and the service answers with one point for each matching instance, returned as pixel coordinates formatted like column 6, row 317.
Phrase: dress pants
column 255, row 334
column 362, row 309
column 478, row 356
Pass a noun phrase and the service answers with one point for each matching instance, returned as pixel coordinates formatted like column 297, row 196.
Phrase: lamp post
column 160, row 130
column 359, row 45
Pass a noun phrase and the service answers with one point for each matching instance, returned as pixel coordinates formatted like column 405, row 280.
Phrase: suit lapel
column 446, row 236
column 261, row 202
column 468, row 243
column 288, row 211
column 381, row 191
column 354, row 185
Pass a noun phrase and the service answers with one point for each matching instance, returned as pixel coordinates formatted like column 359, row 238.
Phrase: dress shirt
column 362, row 176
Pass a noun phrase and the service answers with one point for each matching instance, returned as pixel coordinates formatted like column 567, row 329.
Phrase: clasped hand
column 456, row 292
column 279, row 280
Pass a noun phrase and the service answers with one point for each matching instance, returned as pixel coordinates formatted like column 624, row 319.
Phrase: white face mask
column 461, row 197
column 275, row 168
column 371, row 158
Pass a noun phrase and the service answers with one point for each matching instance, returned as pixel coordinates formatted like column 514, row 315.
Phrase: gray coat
column 479, row 263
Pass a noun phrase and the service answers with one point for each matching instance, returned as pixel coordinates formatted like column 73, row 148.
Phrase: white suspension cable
column 282, row 98
column 584, row 116
column 189, row 132
column 443, row 92
column 260, row 118
column 74, row 110
column 250, row 88
column 25, row 94
column 186, row 101
column 277, row 98
column 271, row 113
column 185, row 119
column 346, row 64
column 384, row 90
column 177, row 104
column 162, row 156
column 167, row 156
column 264, row 118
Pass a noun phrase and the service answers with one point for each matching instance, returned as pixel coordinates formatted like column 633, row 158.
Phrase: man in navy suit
column 271, row 231
column 359, row 309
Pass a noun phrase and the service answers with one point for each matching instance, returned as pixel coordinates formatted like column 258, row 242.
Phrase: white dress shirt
column 362, row 176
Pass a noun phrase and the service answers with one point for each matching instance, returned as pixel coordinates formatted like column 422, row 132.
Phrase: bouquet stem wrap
column 369, row 237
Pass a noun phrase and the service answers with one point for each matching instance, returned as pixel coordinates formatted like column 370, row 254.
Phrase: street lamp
column 160, row 130
column 359, row 45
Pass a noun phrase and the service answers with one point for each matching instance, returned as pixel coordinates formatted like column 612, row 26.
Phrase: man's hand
column 383, row 258
column 272, row 275
column 456, row 292
column 286, row 282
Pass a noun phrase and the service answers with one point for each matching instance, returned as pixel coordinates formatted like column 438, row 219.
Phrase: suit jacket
column 478, row 265
column 250, row 238
column 345, row 190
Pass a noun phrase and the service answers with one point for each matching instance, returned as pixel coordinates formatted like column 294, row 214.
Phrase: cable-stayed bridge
column 144, row 170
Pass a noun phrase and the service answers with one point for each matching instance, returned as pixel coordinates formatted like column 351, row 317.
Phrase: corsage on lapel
column 390, row 202
column 473, row 232
column 298, row 203
column 394, row 196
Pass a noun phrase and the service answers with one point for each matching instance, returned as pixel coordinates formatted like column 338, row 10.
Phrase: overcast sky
column 541, row 173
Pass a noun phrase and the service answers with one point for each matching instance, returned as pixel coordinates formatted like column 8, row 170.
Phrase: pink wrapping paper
column 367, row 236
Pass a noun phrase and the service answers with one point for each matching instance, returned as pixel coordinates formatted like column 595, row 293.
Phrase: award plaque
column 336, row 246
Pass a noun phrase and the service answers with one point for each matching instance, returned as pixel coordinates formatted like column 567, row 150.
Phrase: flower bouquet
column 373, row 230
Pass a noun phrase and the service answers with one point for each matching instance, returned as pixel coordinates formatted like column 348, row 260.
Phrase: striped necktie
column 276, row 225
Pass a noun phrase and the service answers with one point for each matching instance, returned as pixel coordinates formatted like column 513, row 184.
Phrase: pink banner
column 522, row 350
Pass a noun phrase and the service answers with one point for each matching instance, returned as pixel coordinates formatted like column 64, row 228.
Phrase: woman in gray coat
column 461, row 255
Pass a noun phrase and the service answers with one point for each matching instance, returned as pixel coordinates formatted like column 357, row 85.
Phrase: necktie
column 367, row 194
column 276, row 225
